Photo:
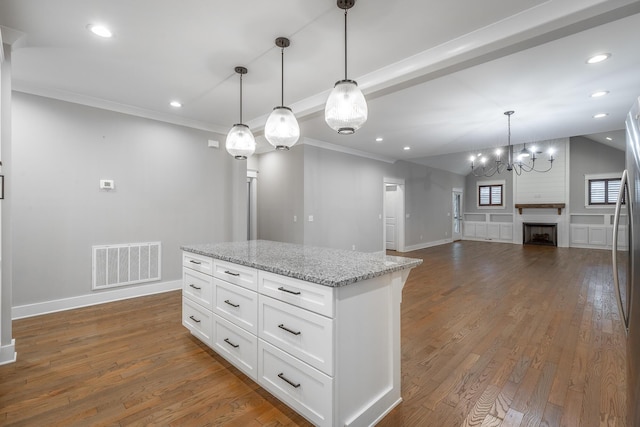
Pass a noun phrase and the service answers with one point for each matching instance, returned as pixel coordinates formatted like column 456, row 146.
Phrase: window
column 490, row 195
column 603, row 191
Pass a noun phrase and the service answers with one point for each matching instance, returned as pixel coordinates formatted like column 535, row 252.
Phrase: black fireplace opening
column 534, row 233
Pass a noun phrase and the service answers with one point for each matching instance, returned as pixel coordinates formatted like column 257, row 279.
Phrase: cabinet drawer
column 236, row 304
column 297, row 384
column 314, row 297
column 197, row 287
column 197, row 262
column 241, row 275
column 305, row 335
column 198, row 320
column 236, row 345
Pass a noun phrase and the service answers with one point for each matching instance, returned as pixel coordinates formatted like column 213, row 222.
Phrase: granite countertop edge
column 308, row 278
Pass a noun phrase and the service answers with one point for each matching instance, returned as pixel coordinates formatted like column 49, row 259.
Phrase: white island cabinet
column 318, row 328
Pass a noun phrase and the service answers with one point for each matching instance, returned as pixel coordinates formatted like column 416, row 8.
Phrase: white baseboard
column 8, row 353
column 426, row 245
column 46, row 307
column 484, row 239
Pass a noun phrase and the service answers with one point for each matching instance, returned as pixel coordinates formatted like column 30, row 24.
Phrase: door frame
column 400, row 213
column 252, row 204
column 455, row 191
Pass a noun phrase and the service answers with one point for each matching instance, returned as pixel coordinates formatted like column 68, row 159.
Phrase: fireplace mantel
column 558, row 206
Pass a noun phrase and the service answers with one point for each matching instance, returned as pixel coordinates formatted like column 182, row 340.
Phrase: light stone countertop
column 324, row 266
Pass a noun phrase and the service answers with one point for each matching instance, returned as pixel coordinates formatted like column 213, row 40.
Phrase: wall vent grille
column 125, row 264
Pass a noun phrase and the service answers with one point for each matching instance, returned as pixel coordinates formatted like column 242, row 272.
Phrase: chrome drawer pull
column 231, row 273
column 194, row 319
column 291, row 383
column 281, row 326
column 231, row 304
column 195, row 287
column 287, row 290
column 195, row 262
column 231, row 344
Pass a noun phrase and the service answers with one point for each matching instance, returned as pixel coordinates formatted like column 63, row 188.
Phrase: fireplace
column 539, row 234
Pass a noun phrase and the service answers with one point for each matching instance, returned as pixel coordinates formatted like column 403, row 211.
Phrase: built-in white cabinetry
column 596, row 231
column 494, row 227
column 330, row 353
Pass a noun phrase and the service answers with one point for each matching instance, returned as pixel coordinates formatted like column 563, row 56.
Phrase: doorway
column 393, row 214
column 456, row 210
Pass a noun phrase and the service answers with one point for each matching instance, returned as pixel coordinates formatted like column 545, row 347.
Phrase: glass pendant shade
column 346, row 109
column 240, row 142
column 282, row 129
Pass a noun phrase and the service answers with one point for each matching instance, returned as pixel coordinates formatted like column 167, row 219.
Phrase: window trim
column 487, row 184
column 598, row 177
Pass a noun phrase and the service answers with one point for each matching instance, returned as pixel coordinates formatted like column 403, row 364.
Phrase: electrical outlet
column 310, row 218
column 295, row 218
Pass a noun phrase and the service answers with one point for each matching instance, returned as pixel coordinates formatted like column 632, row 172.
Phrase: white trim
column 8, row 353
column 76, row 98
column 46, row 307
column 426, row 245
column 346, row 150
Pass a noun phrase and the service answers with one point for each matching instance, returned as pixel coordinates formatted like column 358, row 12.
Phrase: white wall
column 169, row 187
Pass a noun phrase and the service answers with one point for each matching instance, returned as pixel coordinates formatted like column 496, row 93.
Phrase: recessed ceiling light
column 609, row 138
column 176, row 104
column 600, row 115
column 407, row 148
column 379, row 139
column 598, row 58
column 599, row 93
column 100, row 30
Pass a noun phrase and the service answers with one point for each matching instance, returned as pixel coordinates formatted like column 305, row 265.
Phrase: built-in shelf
column 558, row 206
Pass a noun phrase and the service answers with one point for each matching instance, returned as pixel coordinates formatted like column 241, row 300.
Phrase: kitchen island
column 318, row 328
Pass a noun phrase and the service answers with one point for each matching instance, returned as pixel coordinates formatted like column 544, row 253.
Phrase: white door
column 391, row 216
column 456, row 209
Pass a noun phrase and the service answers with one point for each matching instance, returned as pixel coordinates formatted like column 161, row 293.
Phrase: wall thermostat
column 107, row 184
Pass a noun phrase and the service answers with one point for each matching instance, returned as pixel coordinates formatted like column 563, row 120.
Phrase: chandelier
column 346, row 108
column 525, row 161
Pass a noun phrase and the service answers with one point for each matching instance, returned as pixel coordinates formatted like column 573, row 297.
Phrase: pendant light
column 346, row 109
column 240, row 141
column 282, row 130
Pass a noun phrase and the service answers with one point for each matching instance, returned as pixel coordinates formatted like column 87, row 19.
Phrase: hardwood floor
column 492, row 334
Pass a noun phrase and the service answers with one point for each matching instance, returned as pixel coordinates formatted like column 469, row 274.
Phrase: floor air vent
column 126, row 264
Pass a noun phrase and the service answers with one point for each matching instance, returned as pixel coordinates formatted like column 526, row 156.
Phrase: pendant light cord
column 240, row 97
column 282, row 77
column 345, row 44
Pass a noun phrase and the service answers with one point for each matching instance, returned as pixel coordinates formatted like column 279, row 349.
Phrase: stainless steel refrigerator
column 626, row 260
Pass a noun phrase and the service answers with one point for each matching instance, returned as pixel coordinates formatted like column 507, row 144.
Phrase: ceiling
column 437, row 75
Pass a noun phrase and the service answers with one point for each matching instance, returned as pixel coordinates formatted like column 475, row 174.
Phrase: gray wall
column 428, row 201
column 344, row 194
column 6, row 252
column 280, row 195
column 169, row 187
column 589, row 157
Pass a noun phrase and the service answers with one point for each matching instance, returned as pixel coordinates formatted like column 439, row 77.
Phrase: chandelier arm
column 546, row 170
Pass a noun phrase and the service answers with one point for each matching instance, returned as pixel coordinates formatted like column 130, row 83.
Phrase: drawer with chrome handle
column 301, row 333
column 316, row 298
column 236, row 345
column 197, row 262
column 237, row 305
column 300, row 386
column 241, row 275
column 197, row 320
column 198, row 287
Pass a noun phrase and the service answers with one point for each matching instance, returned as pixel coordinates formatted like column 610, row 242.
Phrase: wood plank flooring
column 492, row 335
